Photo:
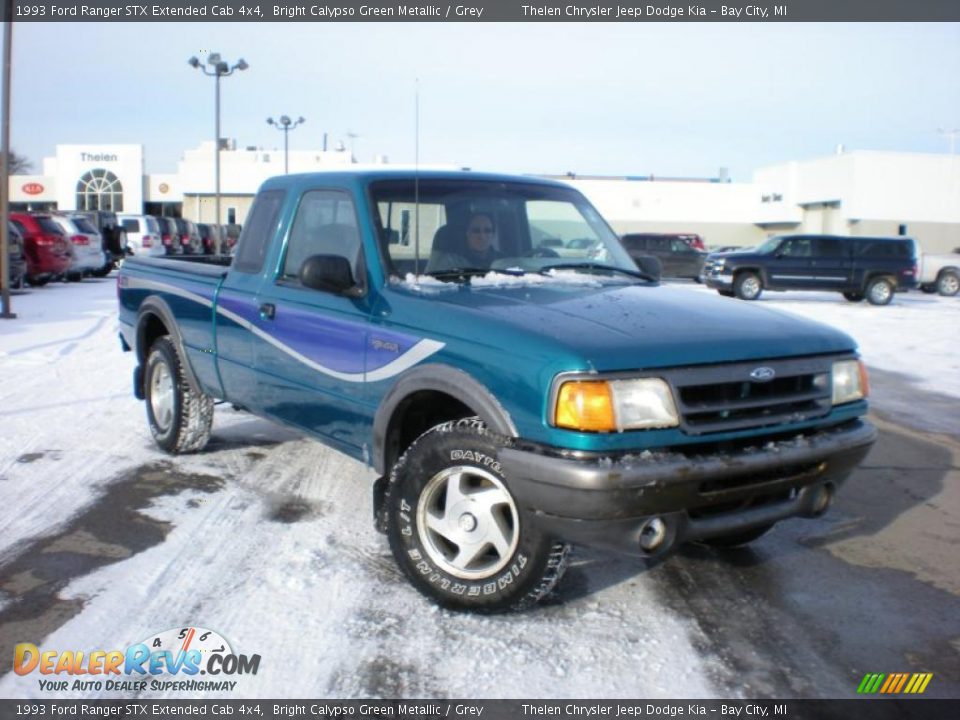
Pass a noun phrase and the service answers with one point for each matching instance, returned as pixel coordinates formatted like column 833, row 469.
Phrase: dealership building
column 846, row 193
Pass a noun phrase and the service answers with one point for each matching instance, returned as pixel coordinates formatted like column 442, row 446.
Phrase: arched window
column 100, row 190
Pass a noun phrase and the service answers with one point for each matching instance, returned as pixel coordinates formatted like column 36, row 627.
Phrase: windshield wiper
column 469, row 272
column 600, row 267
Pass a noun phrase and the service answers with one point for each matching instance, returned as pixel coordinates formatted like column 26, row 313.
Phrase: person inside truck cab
column 476, row 249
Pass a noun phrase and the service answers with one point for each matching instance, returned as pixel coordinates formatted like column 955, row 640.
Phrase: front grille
column 723, row 398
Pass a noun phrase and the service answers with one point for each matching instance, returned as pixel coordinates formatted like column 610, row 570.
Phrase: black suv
column 678, row 258
column 859, row 267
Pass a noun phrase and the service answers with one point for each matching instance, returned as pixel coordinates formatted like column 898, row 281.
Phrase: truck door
column 237, row 300
column 311, row 349
column 791, row 264
column 831, row 263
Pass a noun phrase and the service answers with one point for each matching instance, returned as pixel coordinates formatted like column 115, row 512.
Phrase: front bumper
column 717, row 281
column 606, row 502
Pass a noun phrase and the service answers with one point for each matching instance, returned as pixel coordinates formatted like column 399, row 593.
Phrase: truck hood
column 617, row 327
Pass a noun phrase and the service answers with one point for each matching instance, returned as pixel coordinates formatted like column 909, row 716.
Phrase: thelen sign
column 32, row 188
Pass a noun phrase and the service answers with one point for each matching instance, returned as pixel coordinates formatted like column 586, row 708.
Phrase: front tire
column 880, row 291
column 180, row 418
column 457, row 532
column 748, row 286
column 948, row 283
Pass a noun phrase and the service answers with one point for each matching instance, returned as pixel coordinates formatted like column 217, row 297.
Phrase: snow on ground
column 270, row 540
column 282, row 560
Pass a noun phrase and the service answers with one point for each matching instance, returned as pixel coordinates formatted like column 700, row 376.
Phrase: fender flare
column 440, row 378
column 156, row 306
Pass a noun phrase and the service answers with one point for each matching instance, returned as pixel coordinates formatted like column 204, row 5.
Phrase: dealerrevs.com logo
column 181, row 659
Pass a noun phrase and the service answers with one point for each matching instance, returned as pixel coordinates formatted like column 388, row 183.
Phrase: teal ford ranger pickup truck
column 487, row 346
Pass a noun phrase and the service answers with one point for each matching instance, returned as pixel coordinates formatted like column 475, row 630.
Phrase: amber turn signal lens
column 585, row 405
column 864, row 379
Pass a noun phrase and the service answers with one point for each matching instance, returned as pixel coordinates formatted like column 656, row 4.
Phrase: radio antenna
column 416, row 181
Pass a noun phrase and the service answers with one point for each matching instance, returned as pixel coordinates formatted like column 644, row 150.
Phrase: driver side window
column 796, row 247
column 325, row 224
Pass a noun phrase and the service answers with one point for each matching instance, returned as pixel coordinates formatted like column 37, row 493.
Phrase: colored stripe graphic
column 871, row 683
column 894, row 683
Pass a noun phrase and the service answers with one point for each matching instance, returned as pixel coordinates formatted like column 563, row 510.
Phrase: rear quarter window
column 884, row 249
column 259, row 229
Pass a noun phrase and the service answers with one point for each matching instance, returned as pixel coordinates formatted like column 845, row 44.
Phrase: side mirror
column 649, row 265
column 329, row 273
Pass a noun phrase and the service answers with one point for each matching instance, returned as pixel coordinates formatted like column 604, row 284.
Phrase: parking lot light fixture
column 286, row 125
column 217, row 68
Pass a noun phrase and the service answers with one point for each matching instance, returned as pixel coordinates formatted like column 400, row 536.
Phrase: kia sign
column 33, row 188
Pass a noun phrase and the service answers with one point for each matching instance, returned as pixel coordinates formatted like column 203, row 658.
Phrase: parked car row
column 158, row 235
column 63, row 245
column 69, row 245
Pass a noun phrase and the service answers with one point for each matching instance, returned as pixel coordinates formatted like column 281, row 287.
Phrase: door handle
column 267, row 311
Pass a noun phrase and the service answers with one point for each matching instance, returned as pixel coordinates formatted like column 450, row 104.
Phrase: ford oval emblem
column 763, row 374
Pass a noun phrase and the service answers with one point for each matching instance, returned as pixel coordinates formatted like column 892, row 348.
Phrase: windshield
column 477, row 226
column 769, row 245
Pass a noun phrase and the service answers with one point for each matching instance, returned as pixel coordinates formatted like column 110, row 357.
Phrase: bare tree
column 19, row 164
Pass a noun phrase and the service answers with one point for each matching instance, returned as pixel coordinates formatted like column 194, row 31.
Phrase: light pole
column 286, row 125
column 218, row 69
column 5, row 311
column 353, row 139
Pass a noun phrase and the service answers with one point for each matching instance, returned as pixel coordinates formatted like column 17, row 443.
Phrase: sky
column 671, row 100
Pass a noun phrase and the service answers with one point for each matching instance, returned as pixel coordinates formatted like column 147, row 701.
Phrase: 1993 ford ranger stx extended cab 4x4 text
column 511, row 399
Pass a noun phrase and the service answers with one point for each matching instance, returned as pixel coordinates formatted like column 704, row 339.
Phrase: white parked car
column 940, row 274
column 143, row 234
column 84, row 242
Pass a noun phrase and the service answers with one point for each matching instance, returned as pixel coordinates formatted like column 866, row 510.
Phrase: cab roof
column 351, row 178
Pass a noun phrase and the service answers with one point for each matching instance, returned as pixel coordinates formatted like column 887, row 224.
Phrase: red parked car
column 46, row 248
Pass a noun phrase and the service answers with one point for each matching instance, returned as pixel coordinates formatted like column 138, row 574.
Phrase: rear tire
column 853, row 296
column 456, row 530
column 737, row 539
column 180, row 418
column 948, row 284
column 880, row 291
column 747, row 286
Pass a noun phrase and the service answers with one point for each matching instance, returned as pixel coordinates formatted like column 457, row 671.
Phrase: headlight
column 849, row 381
column 608, row 405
